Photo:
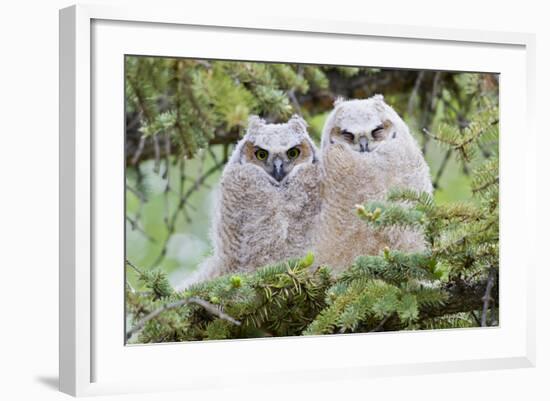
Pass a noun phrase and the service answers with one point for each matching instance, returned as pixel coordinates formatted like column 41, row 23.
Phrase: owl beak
column 278, row 172
column 363, row 144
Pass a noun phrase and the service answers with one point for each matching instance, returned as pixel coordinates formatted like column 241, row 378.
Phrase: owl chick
column 367, row 150
column 268, row 199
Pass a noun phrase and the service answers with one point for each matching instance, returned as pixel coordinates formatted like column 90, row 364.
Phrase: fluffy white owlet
column 268, row 199
column 366, row 150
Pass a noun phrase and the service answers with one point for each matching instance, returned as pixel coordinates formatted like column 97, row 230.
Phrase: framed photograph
column 290, row 200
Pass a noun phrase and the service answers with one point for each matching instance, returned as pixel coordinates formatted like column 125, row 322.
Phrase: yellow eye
column 261, row 154
column 293, row 153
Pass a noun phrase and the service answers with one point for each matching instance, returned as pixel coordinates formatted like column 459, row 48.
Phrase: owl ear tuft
column 255, row 122
column 298, row 123
column 339, row 100
column 379, row 103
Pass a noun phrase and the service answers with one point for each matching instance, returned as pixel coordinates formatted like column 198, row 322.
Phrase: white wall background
column 29, row 199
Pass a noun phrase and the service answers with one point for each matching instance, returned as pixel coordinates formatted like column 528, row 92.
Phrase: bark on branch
column 464, row 296
column 138, row 148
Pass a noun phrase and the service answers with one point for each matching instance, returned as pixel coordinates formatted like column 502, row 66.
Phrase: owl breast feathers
column 268, row 200
column 367, row 150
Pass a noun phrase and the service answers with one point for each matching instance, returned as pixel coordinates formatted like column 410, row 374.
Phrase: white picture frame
column 93, row 357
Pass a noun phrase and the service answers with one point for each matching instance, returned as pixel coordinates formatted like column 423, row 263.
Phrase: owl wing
column 409, row 169
column 302, row 188
column 302, row 204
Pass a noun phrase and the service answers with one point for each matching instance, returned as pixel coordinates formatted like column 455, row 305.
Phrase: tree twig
column 156, row 147
column 292, row 96
column 487, row 297
column 182, row 203
column 210, row 308
column 382, row 323
column 414, row 92
column 141, row 198
column 135, row 192
column 130, row 288
column 473, row 313
column 139, row 150
column 135, row 226
column 441, row 169
column 429, row 108
column 486, row 185
column 138, row 271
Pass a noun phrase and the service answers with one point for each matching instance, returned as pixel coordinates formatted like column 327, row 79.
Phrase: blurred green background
column 184, row 116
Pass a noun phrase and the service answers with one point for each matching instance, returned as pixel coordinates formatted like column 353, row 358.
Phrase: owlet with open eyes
column 367, row 150
column 268, row 199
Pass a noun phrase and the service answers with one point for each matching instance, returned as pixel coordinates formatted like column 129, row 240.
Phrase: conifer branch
column 197, row 301
column 193, row 109
column 463, row 296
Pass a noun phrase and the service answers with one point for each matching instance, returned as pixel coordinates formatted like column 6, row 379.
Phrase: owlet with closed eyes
column 366, row 150
column 268, row 199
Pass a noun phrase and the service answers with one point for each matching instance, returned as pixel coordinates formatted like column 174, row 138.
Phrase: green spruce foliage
column 180, row 110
